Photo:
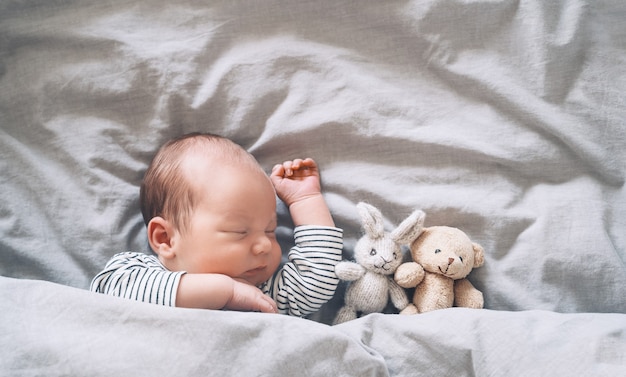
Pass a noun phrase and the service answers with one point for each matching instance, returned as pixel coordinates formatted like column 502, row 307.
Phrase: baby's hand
column 297, row 183
column 247, row 297
column 296, row 180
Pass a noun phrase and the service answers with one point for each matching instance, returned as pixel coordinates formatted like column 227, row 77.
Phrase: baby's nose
column 262, row 244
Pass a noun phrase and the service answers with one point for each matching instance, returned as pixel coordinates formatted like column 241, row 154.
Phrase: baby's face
column 231, row 230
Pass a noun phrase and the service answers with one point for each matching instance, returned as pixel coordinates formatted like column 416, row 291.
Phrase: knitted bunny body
column 377, row 254
column 370, row 293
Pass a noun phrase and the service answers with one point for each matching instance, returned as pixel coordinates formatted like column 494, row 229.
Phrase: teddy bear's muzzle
column 451, row 269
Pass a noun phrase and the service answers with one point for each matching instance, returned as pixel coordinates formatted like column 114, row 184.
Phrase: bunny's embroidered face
column 379, row 251
column 447, row 251
column 380, row 255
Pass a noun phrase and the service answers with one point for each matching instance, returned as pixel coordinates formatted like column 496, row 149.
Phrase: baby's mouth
column 255, row 271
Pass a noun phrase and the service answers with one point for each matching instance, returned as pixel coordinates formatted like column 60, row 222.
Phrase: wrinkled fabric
column 502, row 118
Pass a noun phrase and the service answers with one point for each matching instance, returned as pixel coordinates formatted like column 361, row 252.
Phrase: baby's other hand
column 296, row 180
column 247, row 297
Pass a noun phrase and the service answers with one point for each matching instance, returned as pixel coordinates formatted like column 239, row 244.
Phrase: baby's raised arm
column 297, row 184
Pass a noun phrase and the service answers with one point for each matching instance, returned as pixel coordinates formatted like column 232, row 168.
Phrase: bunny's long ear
column 372, row 220
column 410, row 228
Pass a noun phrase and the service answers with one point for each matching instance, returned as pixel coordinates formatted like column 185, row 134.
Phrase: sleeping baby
column 210, row 212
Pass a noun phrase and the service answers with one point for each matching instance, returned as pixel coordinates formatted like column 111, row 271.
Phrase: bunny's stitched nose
column 450, row 260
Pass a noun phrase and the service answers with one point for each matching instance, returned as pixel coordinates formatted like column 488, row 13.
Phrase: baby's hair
column 166, row 189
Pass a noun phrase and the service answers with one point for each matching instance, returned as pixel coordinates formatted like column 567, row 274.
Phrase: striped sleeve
column 308, row 279
column 140, row 277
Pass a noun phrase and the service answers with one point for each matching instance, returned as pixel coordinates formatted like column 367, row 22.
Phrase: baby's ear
column 160, row 233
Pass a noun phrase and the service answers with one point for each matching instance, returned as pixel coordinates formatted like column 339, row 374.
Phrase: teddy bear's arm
column 349, row 271
column 465, row 295
column 398, row 295
column 409, row 275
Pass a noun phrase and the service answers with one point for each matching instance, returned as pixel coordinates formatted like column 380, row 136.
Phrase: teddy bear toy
column 377, row 253
column 442, row 258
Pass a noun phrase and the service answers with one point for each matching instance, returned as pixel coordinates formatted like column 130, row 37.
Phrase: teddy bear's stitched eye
column 437, row 251
column 461, row 258
column 373, row 252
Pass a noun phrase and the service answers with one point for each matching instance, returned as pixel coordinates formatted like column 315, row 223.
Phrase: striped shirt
column 300, row 287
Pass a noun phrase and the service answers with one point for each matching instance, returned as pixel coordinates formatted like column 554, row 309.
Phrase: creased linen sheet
column 65, row 331
column 502, row 118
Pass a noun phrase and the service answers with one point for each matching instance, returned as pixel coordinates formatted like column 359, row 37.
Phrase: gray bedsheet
column 61, row 331
column 503, row 118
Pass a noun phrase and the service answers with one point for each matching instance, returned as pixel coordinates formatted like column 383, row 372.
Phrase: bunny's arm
column 398, row 296
column 349, row 271
column 409, row 275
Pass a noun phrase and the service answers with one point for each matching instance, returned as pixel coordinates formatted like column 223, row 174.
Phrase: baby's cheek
column 276, row 257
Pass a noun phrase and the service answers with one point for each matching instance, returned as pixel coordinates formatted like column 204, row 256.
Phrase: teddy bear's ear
column 479, row 255
column 372, row 220
column 410, row 228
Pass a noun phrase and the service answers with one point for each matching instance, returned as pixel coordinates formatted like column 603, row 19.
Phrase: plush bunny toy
column 377, row 254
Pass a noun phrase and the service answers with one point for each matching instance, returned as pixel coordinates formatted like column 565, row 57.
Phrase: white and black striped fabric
column 138, row 276
column 308, row 279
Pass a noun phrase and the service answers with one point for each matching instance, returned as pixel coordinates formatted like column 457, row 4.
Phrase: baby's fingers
column 264, row 304
column 290, row 168
column 269, row 306
column 296, row 164
column 250, row 298
column 287, row 168
column 309, row 163
column 278, row 170
column 304, row 167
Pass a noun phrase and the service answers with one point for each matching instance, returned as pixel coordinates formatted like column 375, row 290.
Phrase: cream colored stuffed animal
column 443, row 257
column 378, row 254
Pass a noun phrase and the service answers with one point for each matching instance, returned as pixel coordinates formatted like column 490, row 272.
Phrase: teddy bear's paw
column 409, row 274
column 475, row 301
column 466, row 296
column 411, row 309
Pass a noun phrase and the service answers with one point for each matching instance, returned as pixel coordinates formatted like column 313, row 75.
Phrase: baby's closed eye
column 235, row 233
